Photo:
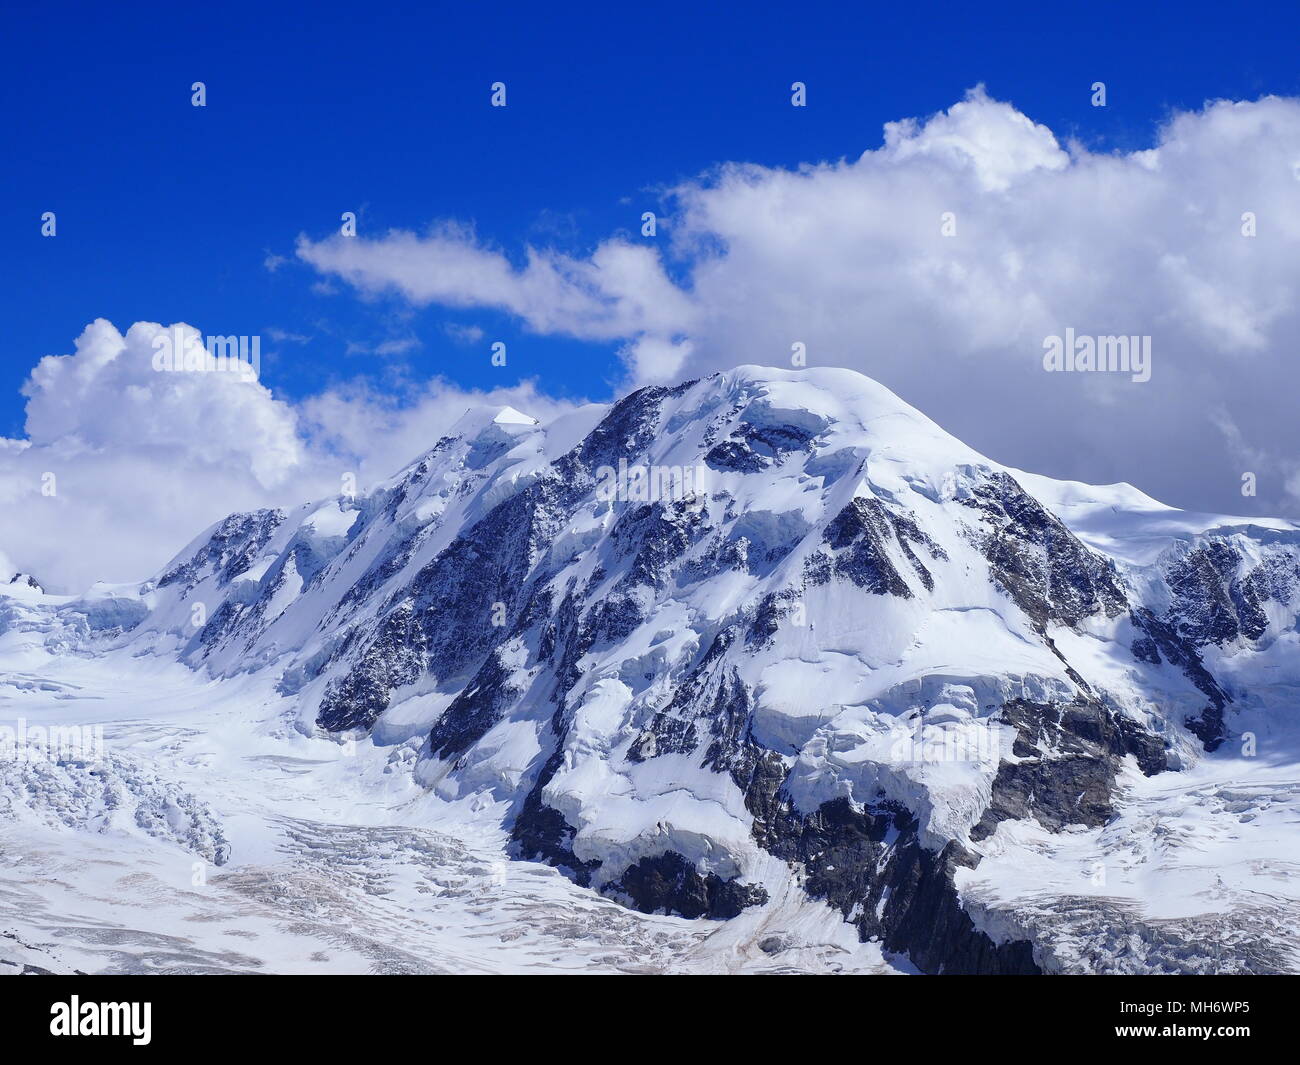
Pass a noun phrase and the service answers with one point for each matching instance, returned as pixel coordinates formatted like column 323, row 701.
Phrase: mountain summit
column 775, row 628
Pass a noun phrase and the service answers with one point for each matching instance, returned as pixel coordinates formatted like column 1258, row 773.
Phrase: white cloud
column 391, row 346
column 382, row 432
column 141, row 460
column 620, row 291
column 846, row 257
column 281, row 336
column 108, row 395
column 849, row 258
column 464, row 334
column 994, row 139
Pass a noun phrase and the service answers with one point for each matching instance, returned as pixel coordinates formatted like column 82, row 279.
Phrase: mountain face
column 771, row 625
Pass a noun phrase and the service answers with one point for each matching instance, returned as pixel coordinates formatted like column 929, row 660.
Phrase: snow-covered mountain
column 772, row 629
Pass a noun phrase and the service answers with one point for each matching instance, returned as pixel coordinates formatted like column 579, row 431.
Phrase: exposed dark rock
column 479, row 706
column 391, row 561
column 219, row 626
column 540, row 833
column 233, row 546
column 870, row 864
column 1211, row 603
column 861, row 536
column 1208, row 726
column 715, row 697
column 1043, row 566
column 624, row 433
column 709, row 695
column 871, row 867
column 756, row 447
column 393, row 658
column 772, row 609
column 668, row 883
column 1163, row 639
column 656, row 536
column 497, row 611
column 445, row 622
column 613, row 619
column 1067, row 757
column 734, row 457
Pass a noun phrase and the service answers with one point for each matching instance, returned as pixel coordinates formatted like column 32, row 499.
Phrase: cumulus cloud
column 939, row 263
column 993, row 139
column 121, row 465
column 382, row 432
column 108, row 395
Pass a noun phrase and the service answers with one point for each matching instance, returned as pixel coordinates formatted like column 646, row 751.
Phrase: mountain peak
column 772, row 619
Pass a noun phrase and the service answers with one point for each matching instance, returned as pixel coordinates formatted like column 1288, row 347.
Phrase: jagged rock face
column 1042, row 566
column 1161, row 638
column 229, row 549
column 851, row 645
column 1218, row 597
column 870, row 866
column 752, row 448
column 669, row 882
column 860, row 536
column 1066, row 759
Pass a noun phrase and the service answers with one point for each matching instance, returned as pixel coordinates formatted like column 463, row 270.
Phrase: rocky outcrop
column 1066, row 760
column 668, row 883
column 1043, row 566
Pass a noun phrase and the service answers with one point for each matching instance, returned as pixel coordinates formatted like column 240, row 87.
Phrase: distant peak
column 510, row 416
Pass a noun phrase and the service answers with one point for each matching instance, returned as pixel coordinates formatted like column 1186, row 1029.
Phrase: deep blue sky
column 167, row 212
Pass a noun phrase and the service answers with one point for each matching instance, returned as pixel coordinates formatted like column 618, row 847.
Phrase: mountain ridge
column 853, row 646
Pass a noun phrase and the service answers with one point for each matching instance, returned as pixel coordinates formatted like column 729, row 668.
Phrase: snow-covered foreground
column 332, row 865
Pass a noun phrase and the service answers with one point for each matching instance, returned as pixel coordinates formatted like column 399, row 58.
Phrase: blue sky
column 521, row 224
column 168, row 212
